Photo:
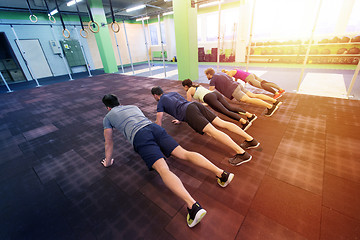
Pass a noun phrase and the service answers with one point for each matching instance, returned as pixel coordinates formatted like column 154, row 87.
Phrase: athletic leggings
column 261, row 83
column 217, row 102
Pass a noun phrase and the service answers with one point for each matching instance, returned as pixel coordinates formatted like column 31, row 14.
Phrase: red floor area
column 302, row 183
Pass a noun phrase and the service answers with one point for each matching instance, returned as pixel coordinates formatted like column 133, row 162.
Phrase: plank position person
column 217, row 102
column 202, row 120
column 255, row 81
column 230, row 89
column 153, row 144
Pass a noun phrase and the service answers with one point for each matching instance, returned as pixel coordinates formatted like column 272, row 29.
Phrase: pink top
column 241, row 74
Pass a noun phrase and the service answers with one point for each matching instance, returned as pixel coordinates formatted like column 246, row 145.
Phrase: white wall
column 44, row 34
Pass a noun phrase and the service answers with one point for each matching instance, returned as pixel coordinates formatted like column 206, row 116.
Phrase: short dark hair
column 157, row 90
column 110, row 100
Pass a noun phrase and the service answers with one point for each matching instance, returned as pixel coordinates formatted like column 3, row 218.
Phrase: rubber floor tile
column 129, row 179
column 341, row 194
column 335, row 225
column 257, row 226
column 290, row 206
column 38, row 132
column 338, row 129
column 306, row 150
column 303, row 174
column 238, row 195
column 226, row 220
column 138, row 219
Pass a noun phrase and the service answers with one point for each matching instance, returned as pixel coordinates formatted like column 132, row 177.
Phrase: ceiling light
column 145, row 18
column 72, row 2
column 135, row 8
column 168, row 13
column 210, row 4
column 53, row 12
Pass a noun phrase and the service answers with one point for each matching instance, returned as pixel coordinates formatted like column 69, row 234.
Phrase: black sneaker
column 273, row 109
column 253, row 118
column 225, row 179
column 240, row 158
column 250, row 144
column 196, row 213
column 246, row 126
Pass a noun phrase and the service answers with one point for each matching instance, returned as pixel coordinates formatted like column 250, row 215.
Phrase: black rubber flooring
column 302, row 183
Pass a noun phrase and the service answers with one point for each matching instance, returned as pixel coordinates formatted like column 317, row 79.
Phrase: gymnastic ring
column 52, row 19
column 98, row 28
column 83, row 31
column 112, row 27
column 30, row 17
column 63, row 32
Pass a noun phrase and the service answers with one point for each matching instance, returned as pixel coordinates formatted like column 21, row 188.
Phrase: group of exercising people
column 154, row 145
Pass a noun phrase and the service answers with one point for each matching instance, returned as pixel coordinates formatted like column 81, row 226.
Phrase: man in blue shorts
column 153, row 144
column 201, row 119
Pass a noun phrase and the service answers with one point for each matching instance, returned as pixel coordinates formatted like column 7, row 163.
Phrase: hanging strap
column 114, row 23
column 31, row 13
column 92, row 24
column 62, row 22
column 51, row 17
column 83, row 31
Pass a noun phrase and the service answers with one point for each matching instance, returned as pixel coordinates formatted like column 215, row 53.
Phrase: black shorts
column 198, row 116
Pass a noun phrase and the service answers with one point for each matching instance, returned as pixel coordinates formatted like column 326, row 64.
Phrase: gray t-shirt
column 127, row 119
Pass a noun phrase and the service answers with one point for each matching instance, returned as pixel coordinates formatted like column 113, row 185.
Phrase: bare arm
column 109, row 146
column 189, row 95
column 159, row 116
column 212, row 88
column 231, row 73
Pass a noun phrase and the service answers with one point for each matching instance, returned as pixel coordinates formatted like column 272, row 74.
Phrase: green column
column 103, row 39
column 185, row 20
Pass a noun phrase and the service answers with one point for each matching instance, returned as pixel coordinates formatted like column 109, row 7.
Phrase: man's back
column 224, row 84
column 127, row 119
column 174, row 104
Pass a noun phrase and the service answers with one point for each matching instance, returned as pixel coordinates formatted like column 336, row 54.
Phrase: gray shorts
column 239, row 92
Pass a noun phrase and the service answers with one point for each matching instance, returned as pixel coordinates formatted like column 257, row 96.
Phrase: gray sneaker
column 272, row 110
column 246, row 126
column 252, row 144
column 253, row 118
column 240, row 159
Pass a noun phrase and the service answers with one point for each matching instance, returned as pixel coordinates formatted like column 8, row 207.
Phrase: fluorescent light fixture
column 53, row 12
column 168, row 13
column 210, row 4
column 136, row 8
column 145, row 18
column 72, row 2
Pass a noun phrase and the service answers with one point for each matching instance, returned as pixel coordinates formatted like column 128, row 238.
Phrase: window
column 354, row 21
column 328, row 17
column 153, row 34
column 283, row 19
column 163, row 33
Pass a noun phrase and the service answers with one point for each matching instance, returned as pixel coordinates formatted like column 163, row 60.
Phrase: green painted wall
column 185, row 20
column 103, row 39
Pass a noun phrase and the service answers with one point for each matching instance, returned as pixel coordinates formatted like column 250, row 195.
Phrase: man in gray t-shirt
column 153, row 145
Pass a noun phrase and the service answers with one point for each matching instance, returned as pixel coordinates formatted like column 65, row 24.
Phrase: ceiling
column 153, row 7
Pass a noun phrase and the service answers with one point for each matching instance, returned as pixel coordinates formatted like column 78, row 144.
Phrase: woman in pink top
column 255, row 81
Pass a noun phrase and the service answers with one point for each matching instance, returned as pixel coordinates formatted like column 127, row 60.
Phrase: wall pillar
column 185, row 20
column 103, row 38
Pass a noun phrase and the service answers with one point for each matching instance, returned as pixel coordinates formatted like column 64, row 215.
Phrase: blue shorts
column 152, row 143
